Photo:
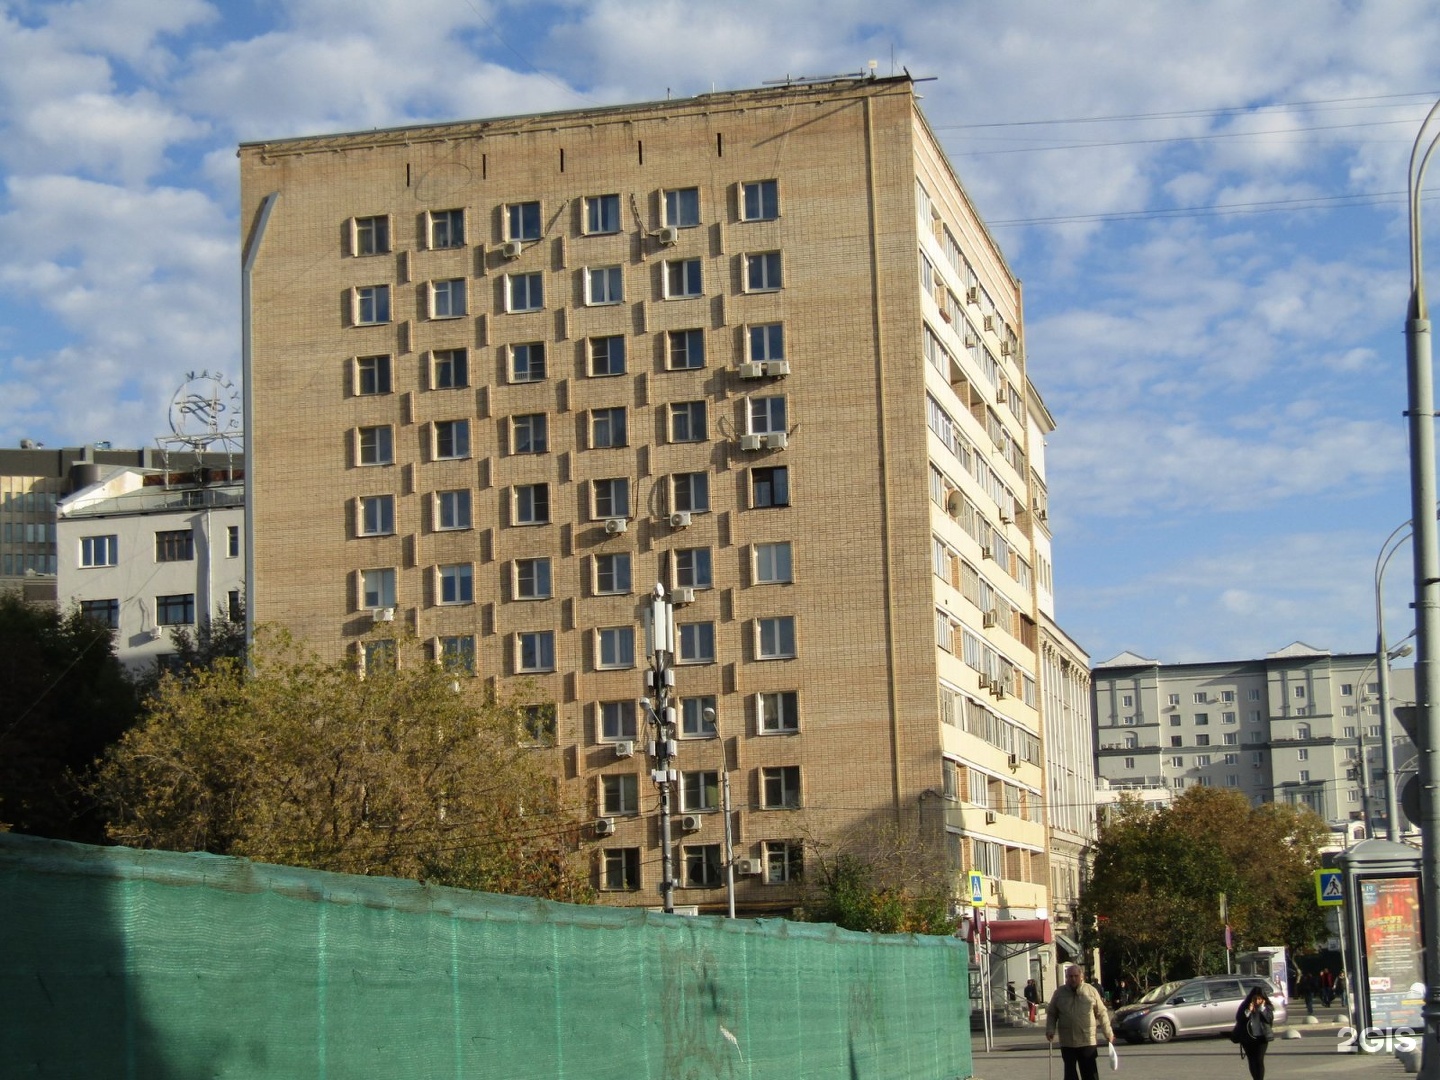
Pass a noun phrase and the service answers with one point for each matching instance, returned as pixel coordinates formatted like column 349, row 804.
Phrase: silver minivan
column 1204, row 1006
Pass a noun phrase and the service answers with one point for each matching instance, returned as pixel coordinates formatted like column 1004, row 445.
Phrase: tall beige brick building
column 757, row 346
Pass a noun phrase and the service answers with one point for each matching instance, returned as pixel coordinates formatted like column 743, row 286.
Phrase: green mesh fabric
column 155, row 965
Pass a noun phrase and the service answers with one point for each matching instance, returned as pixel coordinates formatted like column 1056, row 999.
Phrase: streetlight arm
column 1417, row 179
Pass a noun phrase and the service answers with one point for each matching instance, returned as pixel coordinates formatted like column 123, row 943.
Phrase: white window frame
column 100, row 551
column 533, row 579
column 456, row 577
column 690, row 491
column 678, row 343
column 455, row 363
column 374, row 369
column 620, row 795
column 447, row 218
column 543, row 642
column 455, row 653
column 792, row 796
column 459, row 437
column 597, row 210
column 613, row 439
column 760, row 187
column 375, row 524
column 513, row 300
column 705, row 799
column 614, row 648
column 687, row 409
column 764, row 272
column 386, row 587
column 515, row 213
column 513, row 353
column 777, row 712
column 530, row 433
column 765, row 342
column 695, row 642
column 620, row 484
column 682, row 279
column 516, row 504
column 457, row 498
column 625, row 725
column 357, row 230
column 384, row 447
column 629, row 574
column 693, row 724
column 759, row 554
column 776, row 638
column 784, row 862
column 443, row 293
column 673, row 202
column 604, row 286
column 372, row 298
column 591, row 353
column 766, row 415
column 692, row 568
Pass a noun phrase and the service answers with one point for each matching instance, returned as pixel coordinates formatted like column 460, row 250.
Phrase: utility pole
column 660, row 686
column 714, row 723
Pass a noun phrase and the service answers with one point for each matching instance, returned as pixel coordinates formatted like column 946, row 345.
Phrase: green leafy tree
column 308, row 763
column 1152, row 902
column 886, row 878
column 64, row 697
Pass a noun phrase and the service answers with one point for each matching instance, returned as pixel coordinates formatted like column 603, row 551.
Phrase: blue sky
column 1200, row 198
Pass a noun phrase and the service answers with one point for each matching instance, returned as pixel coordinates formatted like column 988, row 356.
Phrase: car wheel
column 1162, row 1031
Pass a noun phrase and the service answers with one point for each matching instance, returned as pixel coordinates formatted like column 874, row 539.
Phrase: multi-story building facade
column 756, row 346
column 148, row 551
column 1288, row 727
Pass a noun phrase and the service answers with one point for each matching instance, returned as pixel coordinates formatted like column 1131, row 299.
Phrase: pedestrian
column 1327, row 987
column 1078, row 1015
column 1254, row 1024
column 1340, row 987
column 1307, row 987
column 1010, row 991
column 1032, row 998
column 1122, row 994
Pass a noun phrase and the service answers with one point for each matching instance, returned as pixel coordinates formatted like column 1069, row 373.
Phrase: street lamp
column 1381, row 662
column 1421, row 410
column 713, row 723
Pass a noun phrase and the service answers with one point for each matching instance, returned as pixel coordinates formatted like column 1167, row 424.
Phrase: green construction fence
column 152, row 965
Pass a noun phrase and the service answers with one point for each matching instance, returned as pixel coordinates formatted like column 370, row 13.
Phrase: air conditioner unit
column 625, row 748
column 987, row 553
column 1043, row 514
column 382, row 614
column 777, row 368
column 690, row 823
column 752, row 370
column 1005, row 518
column 984, row 682
column 989, row 322
column 989, row 817
column 669, row 235
column 1007, row 348
column 972, row 295
column 680, row 519
column 990, row 618
column 776, row 440
column 605, row 826
column 153, row 634
column 751, row 442
column 513, row 249
column 682, row 595
column 971, row 341
column 1014, row 761
column 998, row 689
column 749, row 867
column 615, row 526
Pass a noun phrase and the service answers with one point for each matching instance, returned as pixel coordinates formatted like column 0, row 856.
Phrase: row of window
column 702, row 866
column 171, row 545
column 599, row 215
column 172, row 610
column 28, row 532
column 619, row 793
column 679, row 279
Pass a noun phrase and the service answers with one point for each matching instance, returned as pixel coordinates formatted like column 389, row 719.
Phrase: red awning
column 1014, row 931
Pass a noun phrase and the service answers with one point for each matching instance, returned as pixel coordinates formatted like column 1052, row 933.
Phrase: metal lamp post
column 1382, row 662
column 1421, row 412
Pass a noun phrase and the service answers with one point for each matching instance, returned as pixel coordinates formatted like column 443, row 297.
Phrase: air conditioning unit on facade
column 989, row 817
column 682, row 595
column 605, row 826
column 513, row 249
column 990, row 618
column 690, row 823
column 625, row 748
column 1007, row 348
column 752, row 370
column 990, row 322
column 382, row 614
column 776, row 440
column 777, row 368
column 1005, row 518
column 749, row 867
column 615, row 526
column 972, row 295
column 987, row 553
column 1014, row 761
column 669, row 235
column 998, row 689
column 751, row 442
column 680, row 519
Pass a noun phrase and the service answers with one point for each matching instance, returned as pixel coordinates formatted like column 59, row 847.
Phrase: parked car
column 1204, row 1006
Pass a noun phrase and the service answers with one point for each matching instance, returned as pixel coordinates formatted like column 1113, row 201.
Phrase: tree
column 64, row 697
column 310, row 763
column 220, row 637
column 1152, row 902
column 887, row 878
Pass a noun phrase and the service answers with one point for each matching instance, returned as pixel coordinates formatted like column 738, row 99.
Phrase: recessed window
column 536, row 650
column 100, row 550
column 603, row 285
column 687, row 421
column 452, row 439
column 232, row 541
column 682, row 278
column 377, row 515
column 1176, row 740
column 775, row 638
column 1252, row 695
column 1202, row 718
column 532, row 579
column 375, row 446
column 696, row 642
column 770, row 487
column 370, row 235
column 619, row 795
column 372, row 375
column 762, row 272
column 522, row 221
column 615, row 647
column 537, row 723
column 607, row 355
column 1127, row 700
column 610, row 497
column 1174, row 699
column 175, row 610
column 778, row 713
column 784, row 862
column 447, row 298
column 175, row 545
column 780, row 787
column 452, row 509
column 612, row 573
column 524, row 292
column 1231, row 738
column 1347, row 689
column 1300, row 692
column 449, row 369
column 457, row 654
column 457, row 583
column 694, row 724
column 699, row 791
column 767, row 415
column 682, row 207
column 529, row 434
column 532, row 504
column 693, row 569
column 105, row 612
column 377, row 588
column 760, row 200
column 607, row 428
column 772, row 563
column 1227, row 718
column 685, row 350
column 766, row 342
column 527, row 362
column 602, row 214
column 702, row 866
column 621, row 869
column 1302, row 754
column 1227, row 696
column 617, row 720
column 690, row 491
column 1202, row 740
column 371, row 305
column 447, row 228
column 378, row 655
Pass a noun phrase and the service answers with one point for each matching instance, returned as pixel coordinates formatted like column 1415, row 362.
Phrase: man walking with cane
column 1077, row 1013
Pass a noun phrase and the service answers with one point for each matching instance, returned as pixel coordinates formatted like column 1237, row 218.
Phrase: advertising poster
column 1390, row 916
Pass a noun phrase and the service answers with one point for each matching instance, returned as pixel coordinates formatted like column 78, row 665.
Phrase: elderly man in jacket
column 1078, row 1014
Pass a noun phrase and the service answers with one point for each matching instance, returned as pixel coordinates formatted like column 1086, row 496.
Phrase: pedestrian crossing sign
column 977, row 889
column 1329, row 888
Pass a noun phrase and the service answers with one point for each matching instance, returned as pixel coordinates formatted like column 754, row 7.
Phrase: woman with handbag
column 1254, row 1024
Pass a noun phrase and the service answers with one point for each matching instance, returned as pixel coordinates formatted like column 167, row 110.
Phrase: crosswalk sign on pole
column 977, row 889
column 1329, row 888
